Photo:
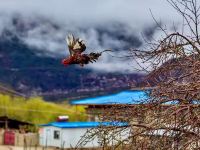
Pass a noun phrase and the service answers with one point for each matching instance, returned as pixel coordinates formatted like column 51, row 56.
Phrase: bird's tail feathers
column 106, row 50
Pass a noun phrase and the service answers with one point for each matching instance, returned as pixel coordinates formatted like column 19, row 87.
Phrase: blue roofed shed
column 83, row 124
column 125, row 97
column 97, row 105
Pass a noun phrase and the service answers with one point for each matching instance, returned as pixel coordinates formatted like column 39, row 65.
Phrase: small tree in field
column 170, row 119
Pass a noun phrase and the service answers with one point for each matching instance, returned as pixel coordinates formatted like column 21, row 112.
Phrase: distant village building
column 15, row 132
column 98, row 104
column 10, row 123
column 68, row 134
column 122, row 101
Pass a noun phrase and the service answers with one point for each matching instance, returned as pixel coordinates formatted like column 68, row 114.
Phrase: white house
column 68, row 134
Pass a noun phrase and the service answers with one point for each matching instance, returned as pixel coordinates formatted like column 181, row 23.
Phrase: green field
column 37, row 111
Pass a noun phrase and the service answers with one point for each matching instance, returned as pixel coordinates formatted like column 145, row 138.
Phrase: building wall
column 46, row 136
column 72, row 136
column 69, row 137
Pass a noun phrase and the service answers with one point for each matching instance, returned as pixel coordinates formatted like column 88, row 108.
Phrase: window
column 56, row 134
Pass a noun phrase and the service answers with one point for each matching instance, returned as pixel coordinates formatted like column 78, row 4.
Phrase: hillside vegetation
column 36, row 110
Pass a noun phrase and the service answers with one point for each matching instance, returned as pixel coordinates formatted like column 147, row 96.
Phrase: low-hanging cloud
column 114, row 24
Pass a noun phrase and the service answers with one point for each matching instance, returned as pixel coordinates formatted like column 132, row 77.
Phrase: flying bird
column 76, row 48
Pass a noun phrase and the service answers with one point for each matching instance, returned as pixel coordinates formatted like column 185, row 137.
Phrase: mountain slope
column 32, row 73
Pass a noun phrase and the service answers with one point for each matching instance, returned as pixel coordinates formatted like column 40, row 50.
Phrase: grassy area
column 36, row 110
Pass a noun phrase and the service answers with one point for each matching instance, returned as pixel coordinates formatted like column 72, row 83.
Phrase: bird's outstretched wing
column 75, row 45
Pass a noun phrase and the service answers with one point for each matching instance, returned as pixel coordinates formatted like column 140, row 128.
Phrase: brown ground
column 7, row 147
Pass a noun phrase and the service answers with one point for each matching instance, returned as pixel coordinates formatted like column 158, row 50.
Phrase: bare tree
column 170, row 119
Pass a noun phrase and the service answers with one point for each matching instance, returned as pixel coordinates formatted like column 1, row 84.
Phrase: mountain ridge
column 29, row 70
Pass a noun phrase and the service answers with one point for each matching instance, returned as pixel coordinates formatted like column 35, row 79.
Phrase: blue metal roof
column 84, row 124
column 125, row 97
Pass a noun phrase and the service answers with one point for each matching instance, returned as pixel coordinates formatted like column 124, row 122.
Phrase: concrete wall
column 1, row 136
column 27, row 139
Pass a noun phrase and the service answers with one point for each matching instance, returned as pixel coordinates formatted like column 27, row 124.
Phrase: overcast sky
column 83, row 17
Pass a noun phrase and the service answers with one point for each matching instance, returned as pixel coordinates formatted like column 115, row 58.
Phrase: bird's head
column 66, row 61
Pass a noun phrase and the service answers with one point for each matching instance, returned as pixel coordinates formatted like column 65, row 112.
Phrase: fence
column 21, row 139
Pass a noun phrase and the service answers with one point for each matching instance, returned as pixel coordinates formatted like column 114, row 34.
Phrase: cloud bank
column 115, row 24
